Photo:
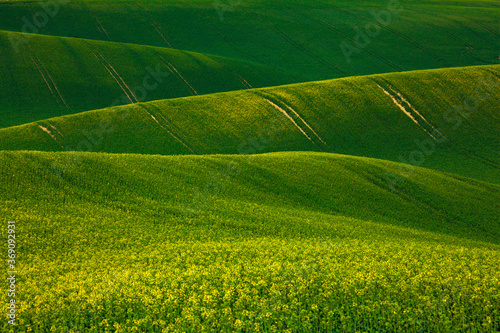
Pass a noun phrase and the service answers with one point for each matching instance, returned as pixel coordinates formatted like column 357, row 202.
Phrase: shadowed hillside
column 321, row 39
column 445, row 119
column 253, row 166
column 53, row 76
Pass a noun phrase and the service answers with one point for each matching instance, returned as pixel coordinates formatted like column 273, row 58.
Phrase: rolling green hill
column 250, row 166
column 445, row 119
column 221, row 243
column 54, row 76
column 311, row 38
column 289, row 42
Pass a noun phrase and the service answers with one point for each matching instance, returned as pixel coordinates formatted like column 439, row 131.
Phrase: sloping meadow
column 165, row 166
column 444, row 119
column 285, row 241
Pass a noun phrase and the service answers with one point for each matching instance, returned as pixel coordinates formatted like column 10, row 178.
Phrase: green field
column 250, row 166
column 258, row 249
column 56, row 76
column 455, row 122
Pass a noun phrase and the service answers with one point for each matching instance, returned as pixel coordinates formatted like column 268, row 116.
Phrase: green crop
column 118, row 245
column 249, row 166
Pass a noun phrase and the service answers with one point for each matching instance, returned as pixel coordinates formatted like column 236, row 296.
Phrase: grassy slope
column 149, row 238
column 292, row 36
column 296, row 35
column 292, row 242
column 352, row 116
column 74, row 73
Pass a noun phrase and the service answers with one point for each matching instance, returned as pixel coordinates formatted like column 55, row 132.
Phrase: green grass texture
column 445, row 119
column 289, row 242
column 54, row 76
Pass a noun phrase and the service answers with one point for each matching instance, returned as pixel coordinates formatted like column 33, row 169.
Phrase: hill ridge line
column 288, row 85
column 135, row 44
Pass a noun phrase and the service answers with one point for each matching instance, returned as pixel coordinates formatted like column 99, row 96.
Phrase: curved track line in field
column 154, row 118
column 34, row 19
column 182, row 77
column 97, row 23
column 104, row 30
column 406, row 112
column 45, row 79
column 123, row 81
column 304, row 122
column 441, row 29
column 151, row 115
column 57, row 130
column 154, row 24
column 242, row 80
column 462, row 25
column 495, row 33
column 46, row 130
column 245, row 81
column 162, row 36
column 174, row 71
column 55, row 86
column 174, row 128
column 117, row 78
column 221, row 35
column 340, row 33
column 114, row 77
column 298, row 45
column 402, row 98
column 166, row 128
column 33, row 54
column 277, row 107
column 400, row 35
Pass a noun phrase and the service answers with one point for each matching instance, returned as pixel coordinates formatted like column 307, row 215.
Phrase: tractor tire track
column 400, row 35
column 178, row 131
column 165, row 128
column 34, row 20
column 305, row 123
column 377, row 179
column 298, row 45
column 463, row 26
column 399, row 100
column 340, row 33
column 467, row 47
column 46, row 130
column 123, row 85
column 54, row 90
column 97, row 23
column 494, row 33
column 291, row 119
column 298, row 116
column 115, row 78
column 288, row 116
column 240, row 78
column 155, row 25
column 45, row 79
column 442, row 30
column 224, row 38
column 57, row 130
column 400, row 103
column 175, row 72
column 481, row 158
column 33, row 54
column 403, row 99
column 118, row 75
